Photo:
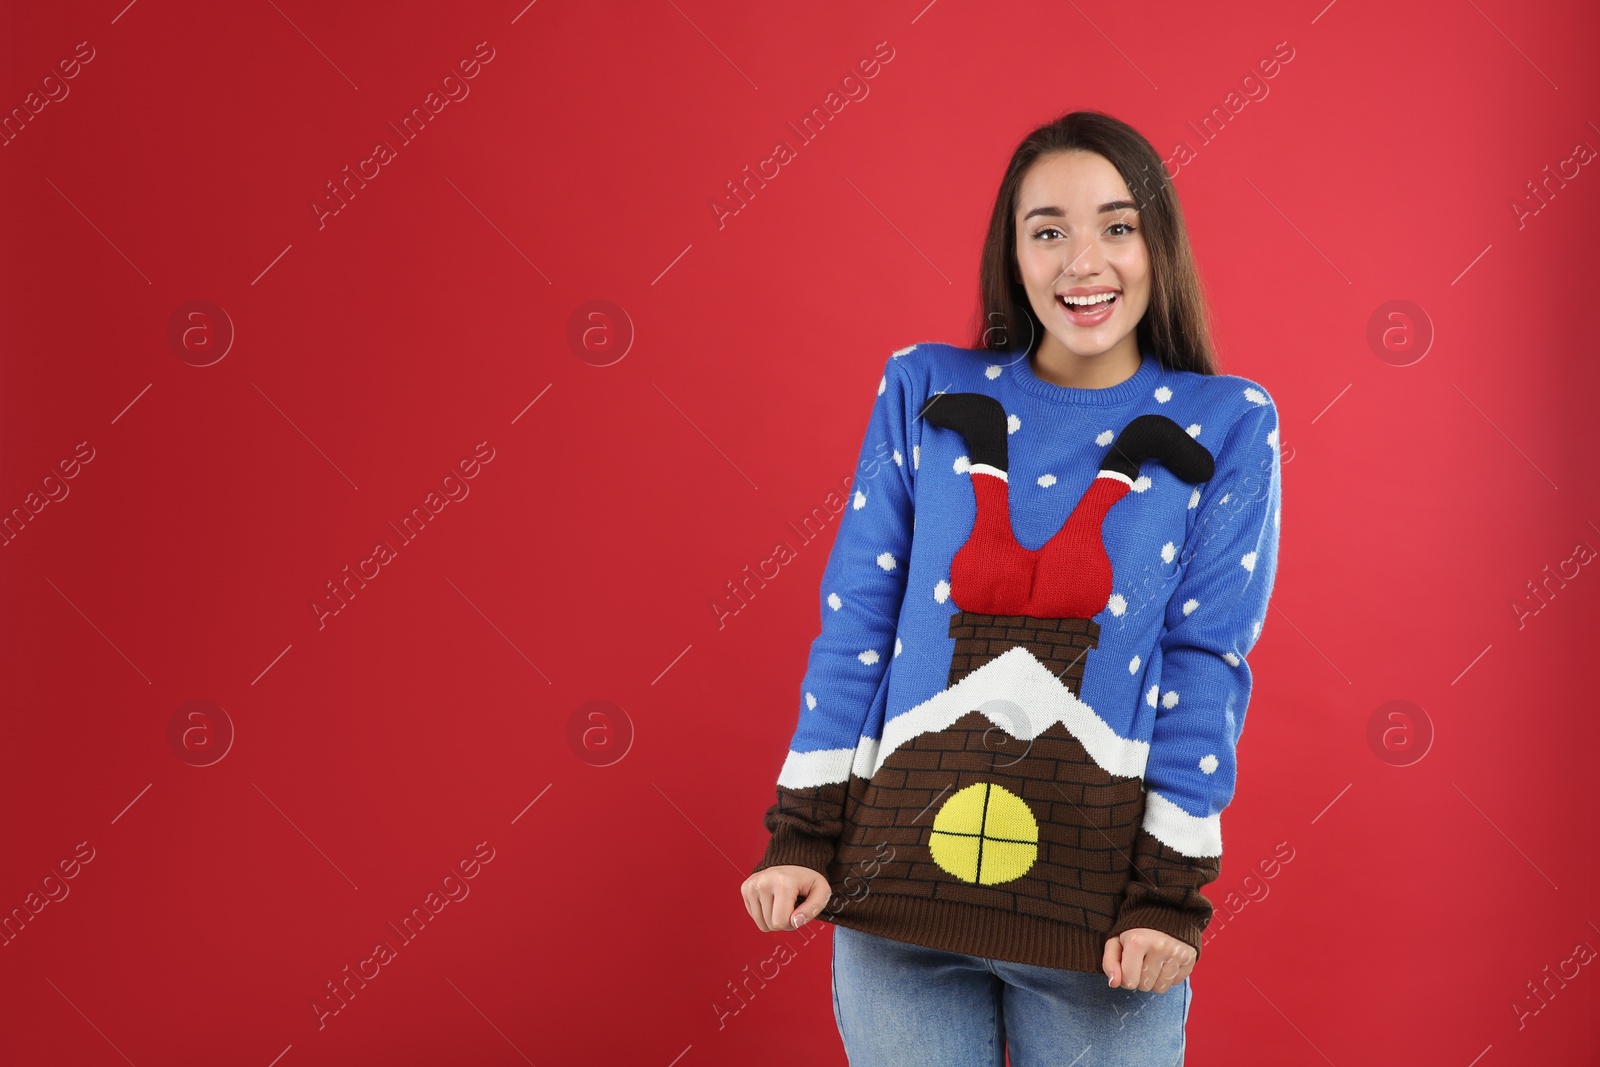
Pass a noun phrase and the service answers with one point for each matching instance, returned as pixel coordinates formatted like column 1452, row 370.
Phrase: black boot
column 978, row 418
column 1158, row 437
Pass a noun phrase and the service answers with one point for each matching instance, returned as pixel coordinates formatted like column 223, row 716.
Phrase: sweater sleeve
column 1213, row 619
column 847, row 673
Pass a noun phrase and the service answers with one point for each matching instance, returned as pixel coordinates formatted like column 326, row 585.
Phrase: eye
column 1045, row 230
column 1124, row 225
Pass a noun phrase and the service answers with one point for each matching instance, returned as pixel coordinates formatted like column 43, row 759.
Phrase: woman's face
column 1077, row 229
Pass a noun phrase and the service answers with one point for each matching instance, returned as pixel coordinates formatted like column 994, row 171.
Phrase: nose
column 1083, row 259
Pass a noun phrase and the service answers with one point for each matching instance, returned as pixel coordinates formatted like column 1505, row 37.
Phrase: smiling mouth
column 1097, row 302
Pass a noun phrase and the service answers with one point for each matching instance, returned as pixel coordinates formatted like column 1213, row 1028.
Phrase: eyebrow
column 1050, row 209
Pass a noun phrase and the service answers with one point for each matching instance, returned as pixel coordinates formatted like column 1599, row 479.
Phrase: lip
column 1095, row 318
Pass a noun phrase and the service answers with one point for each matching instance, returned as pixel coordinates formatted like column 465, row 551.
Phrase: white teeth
column 1097, row 298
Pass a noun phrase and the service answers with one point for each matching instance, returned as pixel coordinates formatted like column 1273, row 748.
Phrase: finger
column 781, row 905
column 748, row 892
column 1167, row 974
column 817, row 893
column 1147, row 977
column 753, row 906
column 1155, row 961
column 1132, row 964
column 1110, row 959
column 761, row 904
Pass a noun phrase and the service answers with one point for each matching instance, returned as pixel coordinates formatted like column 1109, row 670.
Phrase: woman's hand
column 1147, row 959
column 784, row 897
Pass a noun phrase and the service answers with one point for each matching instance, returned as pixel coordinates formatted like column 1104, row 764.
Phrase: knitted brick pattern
column 1085, row 846
column 1059, row 644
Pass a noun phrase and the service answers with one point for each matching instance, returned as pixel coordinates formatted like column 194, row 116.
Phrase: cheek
column 1134, row 269
column 1131, row 258
column 1035, row 268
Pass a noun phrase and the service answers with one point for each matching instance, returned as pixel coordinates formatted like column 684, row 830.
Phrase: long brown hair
column 1175, row 327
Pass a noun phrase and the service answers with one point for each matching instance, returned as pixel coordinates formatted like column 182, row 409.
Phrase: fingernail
column 799, row 917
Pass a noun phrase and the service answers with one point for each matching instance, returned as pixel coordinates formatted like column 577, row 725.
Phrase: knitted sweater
column 1017, row 725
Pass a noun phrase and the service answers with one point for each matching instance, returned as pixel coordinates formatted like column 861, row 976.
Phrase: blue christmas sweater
column 1017, row 726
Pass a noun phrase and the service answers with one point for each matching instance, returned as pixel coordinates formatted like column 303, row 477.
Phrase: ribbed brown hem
column 971, row 930
column 1174, row 922
column 790, row 847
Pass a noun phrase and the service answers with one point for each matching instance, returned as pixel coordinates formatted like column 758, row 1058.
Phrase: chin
column 1085, row 348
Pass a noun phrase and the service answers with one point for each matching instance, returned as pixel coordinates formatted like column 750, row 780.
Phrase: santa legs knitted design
column 1022, row 824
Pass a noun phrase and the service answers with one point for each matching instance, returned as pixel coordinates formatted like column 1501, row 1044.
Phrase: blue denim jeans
column 897, row 1003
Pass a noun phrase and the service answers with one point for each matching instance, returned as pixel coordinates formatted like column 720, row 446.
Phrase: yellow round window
column 985, row 834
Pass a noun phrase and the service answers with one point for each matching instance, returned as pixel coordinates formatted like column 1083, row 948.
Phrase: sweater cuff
column 1164, row 891
column 1180, row 923
column 789, row 846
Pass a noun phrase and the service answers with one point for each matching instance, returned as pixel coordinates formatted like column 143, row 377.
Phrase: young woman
column 1017, row 727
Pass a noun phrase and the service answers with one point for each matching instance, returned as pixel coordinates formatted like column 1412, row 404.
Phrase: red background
column 436, row 310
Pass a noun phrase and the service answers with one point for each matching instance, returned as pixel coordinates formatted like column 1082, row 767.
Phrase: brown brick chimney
column 1087, row 817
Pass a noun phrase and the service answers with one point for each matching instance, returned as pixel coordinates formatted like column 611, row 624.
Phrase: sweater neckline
column 1143, row 379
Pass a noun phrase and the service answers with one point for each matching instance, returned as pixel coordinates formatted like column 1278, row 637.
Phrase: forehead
column 1076, row 182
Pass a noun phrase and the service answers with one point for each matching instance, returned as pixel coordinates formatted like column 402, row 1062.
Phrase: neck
column 1059, row 365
